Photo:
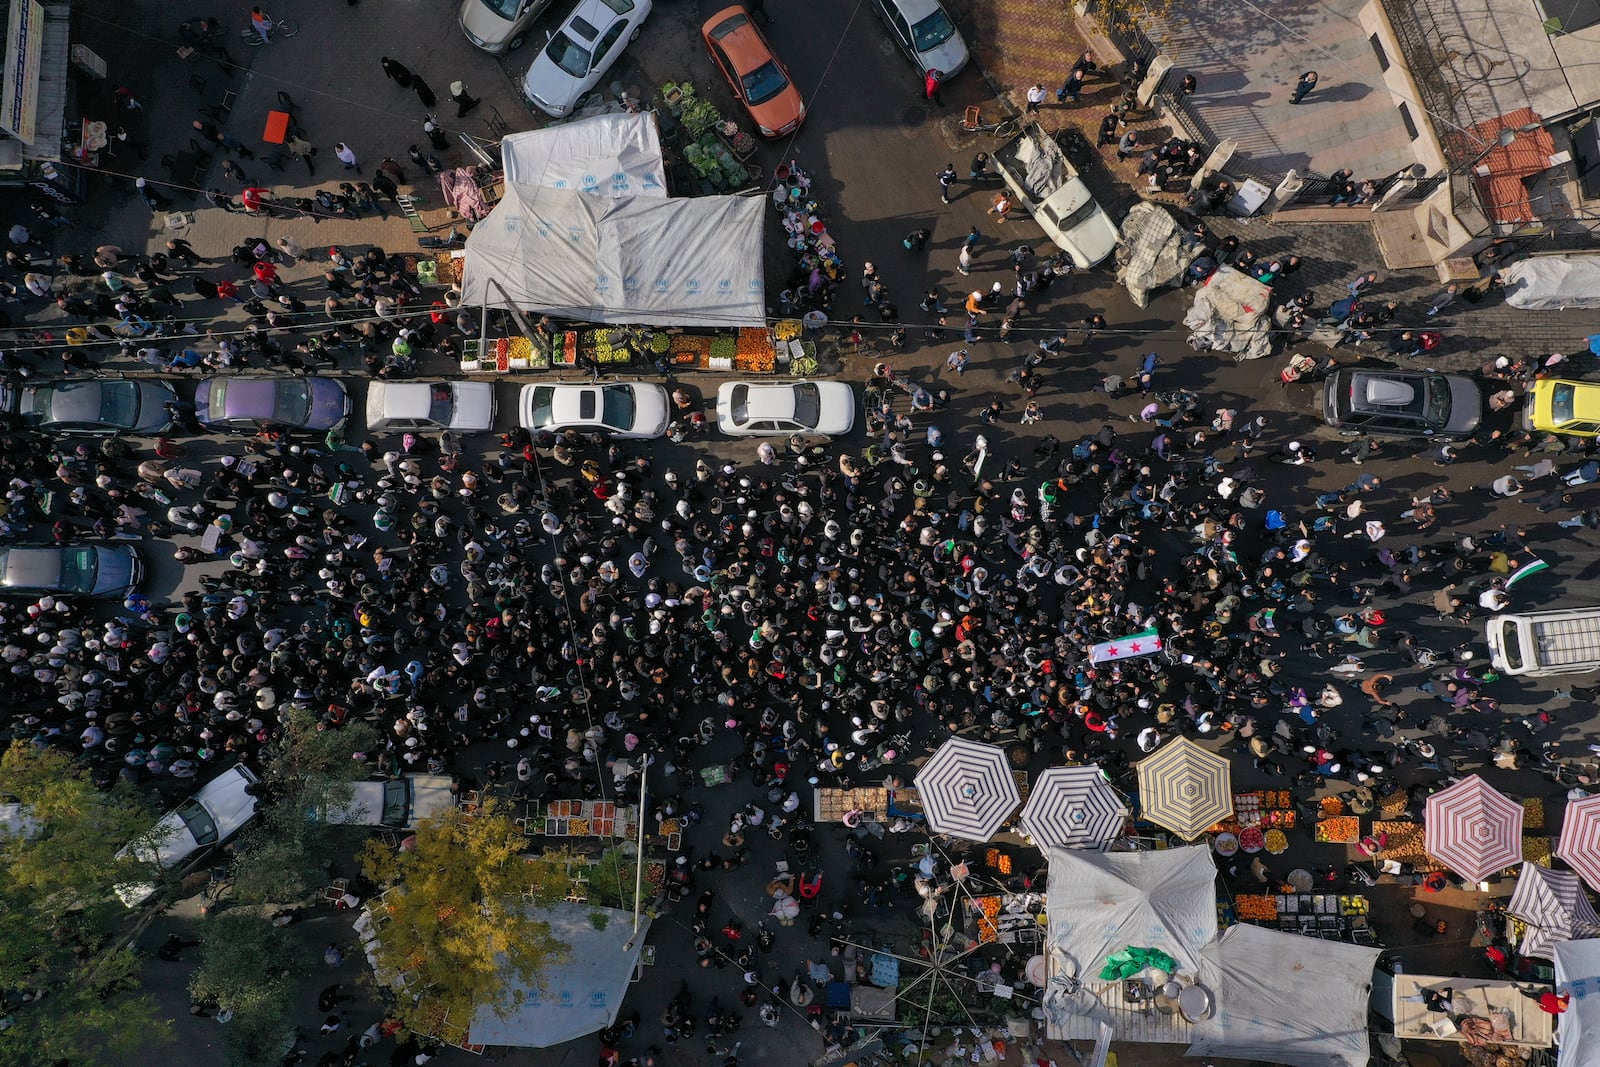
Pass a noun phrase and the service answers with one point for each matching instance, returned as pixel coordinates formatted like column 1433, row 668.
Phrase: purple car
column 247, row 404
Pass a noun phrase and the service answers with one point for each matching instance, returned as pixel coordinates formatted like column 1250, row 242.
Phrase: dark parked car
column 247, row 404
column 1401, row 403
column 109, row 571
column 92, row 406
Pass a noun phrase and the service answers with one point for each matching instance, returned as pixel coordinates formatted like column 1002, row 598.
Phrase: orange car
column 758, row 78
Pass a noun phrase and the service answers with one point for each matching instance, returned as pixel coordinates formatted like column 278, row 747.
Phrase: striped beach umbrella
column 1553, row 906
column 967, row 790
column 1185, row 788
column 1579, row 845
column 1473, row 829
column 1073, row 807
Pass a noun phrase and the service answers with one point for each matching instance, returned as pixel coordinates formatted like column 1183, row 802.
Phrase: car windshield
column 1084, row 213
column 932, row 31
column 739, row 404
column 618, row 413
column 567, row 54
column 394, row 802
column 539, row 412
column 78, row 569
column 198, row 821
column 764, row 83
column 506, row 9
column 291, row 403
column 1561, row 403
column 441, row 404
column 621, row 7
column 1438, row 402
column 807, row 405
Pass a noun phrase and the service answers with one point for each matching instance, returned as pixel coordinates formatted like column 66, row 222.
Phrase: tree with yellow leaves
column 455, row 921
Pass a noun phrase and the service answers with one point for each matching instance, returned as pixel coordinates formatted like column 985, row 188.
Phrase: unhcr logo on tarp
column 598, row 1000
column 620, row 182
column 602, row 283
column 650, row 181
column 663, row 285
column 630, row 284
column 574, row 234
column 692, row 286
column 590, row 183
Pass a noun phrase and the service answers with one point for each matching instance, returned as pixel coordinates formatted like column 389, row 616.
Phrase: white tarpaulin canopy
column 1547, row 283
column 1231, row 313
column 1285, row 998
column 1103, row 902
column 611, row 156
column 643, row 259
column 1578, row 1028
column 582, row 992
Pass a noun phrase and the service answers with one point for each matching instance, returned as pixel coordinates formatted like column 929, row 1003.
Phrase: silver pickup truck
column 1046, row 184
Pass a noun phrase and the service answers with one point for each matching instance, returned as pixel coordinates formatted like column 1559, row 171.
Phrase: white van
column 1541, row 643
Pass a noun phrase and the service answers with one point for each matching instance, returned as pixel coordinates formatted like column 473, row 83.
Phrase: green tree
column 455, row 919
column 310, row 772
column 249, row 967
column 59, row 919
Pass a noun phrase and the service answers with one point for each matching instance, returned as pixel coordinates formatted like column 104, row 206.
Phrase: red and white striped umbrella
column 1579, row 845
column 1473, row 829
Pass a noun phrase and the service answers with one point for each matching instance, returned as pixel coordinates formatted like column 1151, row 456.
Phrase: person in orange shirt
column 975, row 302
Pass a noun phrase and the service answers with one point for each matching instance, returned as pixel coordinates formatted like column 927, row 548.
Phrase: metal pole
column 638, row 869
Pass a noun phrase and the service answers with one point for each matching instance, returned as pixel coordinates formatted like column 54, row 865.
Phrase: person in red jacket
column 930, row 85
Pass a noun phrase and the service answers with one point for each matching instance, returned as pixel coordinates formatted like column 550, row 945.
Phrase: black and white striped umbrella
column 1073, row 807
column 1185, row 788
column 967, row 790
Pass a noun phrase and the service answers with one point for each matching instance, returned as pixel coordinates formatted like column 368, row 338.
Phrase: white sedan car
column 631, row 409
column 395, row 407
column 925, row 33
column 578, row 55
column 757, row 409
column 207, row 819
column 399, row 803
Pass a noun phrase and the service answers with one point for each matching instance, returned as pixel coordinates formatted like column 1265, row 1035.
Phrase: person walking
column 302, row 150
column 1361, row 282
column 424, row 93
column 347, row 156
column 1036, row 97
column 1072, row 88
column 436, row 136
column 930, row 85
column 397, row 72
column 964, row 260
column 1303, row 87
column 947, row 178
column 1442, row 300
column 1002, row 206
column 464, row 102
column 1127, row 145
column 1188, row 85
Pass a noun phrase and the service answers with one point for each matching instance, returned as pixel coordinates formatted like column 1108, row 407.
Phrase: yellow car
column 1557, row 405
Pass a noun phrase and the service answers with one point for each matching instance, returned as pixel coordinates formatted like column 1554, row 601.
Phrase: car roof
column 1585, row 398
column 30, row 566
column 76, row 401
column 227, row 801
column 739, row 39
column 250, row 398
column 915, row 10
column 401, row 400
column 770, row 401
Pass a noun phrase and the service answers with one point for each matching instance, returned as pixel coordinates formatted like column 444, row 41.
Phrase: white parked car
column 630, row 409
column 498, row 26
column 756, row 409
column 578, row 55
column 221, row 809
column 926, row 34
column 399, row 803
column 395, row 407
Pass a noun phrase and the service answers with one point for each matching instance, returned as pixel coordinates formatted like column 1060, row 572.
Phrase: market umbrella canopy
column 967, row 790
column 1553, row 906
column 1473, row 829
column 1073, row 807
column 1579, row 845
column 1185, row 788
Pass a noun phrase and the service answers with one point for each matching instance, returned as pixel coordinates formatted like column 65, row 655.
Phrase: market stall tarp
column 611, row 156
column 1554, row 908
column 1473, row 828
column 1102, row 902
column 1551, row 283
column 582, row 992
column 1578, row 1028
column 667, row 262
column 1284, row 998
column 1151, row 253
column 1231, row 313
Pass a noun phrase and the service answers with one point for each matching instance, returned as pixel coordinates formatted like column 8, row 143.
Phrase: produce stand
column 832, row 805
column 714, row 148
column 747, row 351
column 1339, row 916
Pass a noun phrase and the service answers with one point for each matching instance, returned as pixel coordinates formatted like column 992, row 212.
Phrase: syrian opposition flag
column 1142, row 643
column 1526, row 570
